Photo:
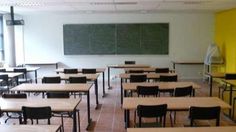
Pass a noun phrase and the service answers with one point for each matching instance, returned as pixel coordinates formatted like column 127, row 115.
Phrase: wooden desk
column 232, row 83
column 162, row 85
column 28, row 69
column 58, row 88
column 174, row 103
column 90, row 77
column 57, row 105
column 122, row 66
column 29, row 128
column 149, row 69
column 43, row 63
column 12, row 75
column 149, row 75
column 186, row 63
column 214, row 75
column 185, row 129
column 98, row 70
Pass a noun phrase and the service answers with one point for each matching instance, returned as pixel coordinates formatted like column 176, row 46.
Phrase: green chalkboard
column 116, row 38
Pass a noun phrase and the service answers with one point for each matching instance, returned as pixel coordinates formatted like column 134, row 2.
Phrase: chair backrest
column 23, row 70
column 89, row 71
column 138, row 78
column 4, row 77
column 168, row 78
column 130, row 62
column 77, row 80
column 22, row 96
column 162, row 70
column 183, row 91
column 147, row 90
column 151, row 111
column 71, row 71
column 51, row 79
column 36, row 113
column 58, row 95
column 230, row 76
column 2, row 70
column 136, row 71
column 204, row 113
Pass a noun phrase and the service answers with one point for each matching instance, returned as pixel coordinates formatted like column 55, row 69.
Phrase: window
column 1, row 39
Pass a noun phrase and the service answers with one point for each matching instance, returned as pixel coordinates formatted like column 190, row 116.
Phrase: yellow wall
column 225, row 37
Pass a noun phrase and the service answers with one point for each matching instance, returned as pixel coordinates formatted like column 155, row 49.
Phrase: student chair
column 168, row 78
column 13, row 115
column 204, row 113
column 36, row 113
column 225, row 87
column 23, row 78
column 4, row 85
column 147, row 91
column 135, row 71
column 151, row 111
column 89, row 71
column 129, row 62
column 77, row 79
column 162, row 70
column 181, row 92
column 71, row 71
column 62, row 114
column 138, row 78
column 2, row 70
column 55, row 79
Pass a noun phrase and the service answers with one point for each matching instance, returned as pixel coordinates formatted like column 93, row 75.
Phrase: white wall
column 190, row 34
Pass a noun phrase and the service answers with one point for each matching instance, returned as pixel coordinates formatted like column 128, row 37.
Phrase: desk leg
column 103, row 84
column 108, row 74
column 121, row 92
column 36, row 76
column 210, row 86
column 96, row 93
column 74, row 121
column 230, row 99
column 127, row 119
column 88, row 108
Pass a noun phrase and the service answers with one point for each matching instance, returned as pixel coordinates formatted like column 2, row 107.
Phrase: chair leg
column 78, row 120
column 62, row 123
column 171, row 121
column 233, row 107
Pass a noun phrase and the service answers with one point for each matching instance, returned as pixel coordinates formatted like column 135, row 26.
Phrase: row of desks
column 173, row 104
column 29, row 128
column 57, row 105
column 185, row 129
column 85, row 88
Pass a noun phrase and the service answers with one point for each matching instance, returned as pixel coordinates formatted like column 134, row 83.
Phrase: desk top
column 29, row 69
column 149, row 75
column 88, row 76
column 11, row 74
column 232, row 82
column 42, row 63
column 29, row 128
column 185, row 129
column 57, row 105
column 162, row 85
column 53, row 87
column 175, row 103
column 129, row 66
column 98, row 70
column 188, row 62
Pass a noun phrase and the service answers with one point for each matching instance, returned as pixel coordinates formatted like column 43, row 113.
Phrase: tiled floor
column 110, row 117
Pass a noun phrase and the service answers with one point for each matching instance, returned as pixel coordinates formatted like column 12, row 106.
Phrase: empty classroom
column 117, row 65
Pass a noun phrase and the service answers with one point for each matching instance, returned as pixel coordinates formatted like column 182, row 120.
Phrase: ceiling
column 94, row 6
